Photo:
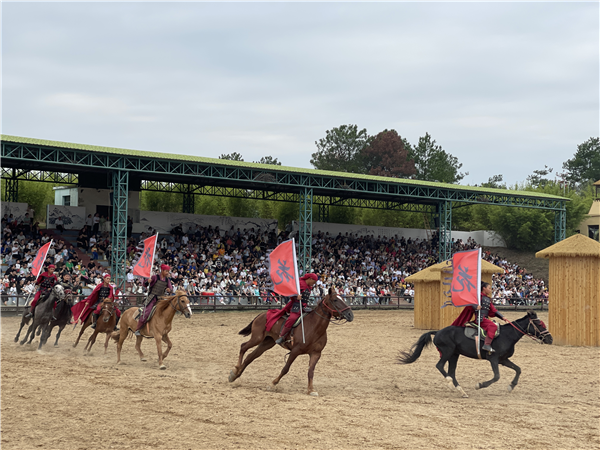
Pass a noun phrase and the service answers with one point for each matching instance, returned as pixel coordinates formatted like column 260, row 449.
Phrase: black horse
column 63, row 316
column 451, row 342
column 42, row 316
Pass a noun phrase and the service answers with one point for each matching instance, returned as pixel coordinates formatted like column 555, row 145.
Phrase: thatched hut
column 574, row 291
column 429, row 295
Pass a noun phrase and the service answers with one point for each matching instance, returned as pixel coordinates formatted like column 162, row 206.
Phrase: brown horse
column 157, row 327
column 332, row 307
column 105, row 324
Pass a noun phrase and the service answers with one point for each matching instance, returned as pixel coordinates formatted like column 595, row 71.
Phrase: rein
column 526, row 331
column 331, row 311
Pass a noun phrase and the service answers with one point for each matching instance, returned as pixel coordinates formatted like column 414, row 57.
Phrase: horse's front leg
column 265, row 345
column 60, row 329
column 29, row 331
column 45, row 335
column 158, row 340
column 314, row 359
column 23, row 323
column 286, row 368
column 452, row 373
column 508, row 363
column 495, row 368
column 91, row 342
column 167, row 341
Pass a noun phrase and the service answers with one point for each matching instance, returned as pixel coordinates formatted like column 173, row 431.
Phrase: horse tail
column 246, row 331
column 415, row 351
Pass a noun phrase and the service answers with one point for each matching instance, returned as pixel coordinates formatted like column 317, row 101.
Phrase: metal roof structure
column 124, row 170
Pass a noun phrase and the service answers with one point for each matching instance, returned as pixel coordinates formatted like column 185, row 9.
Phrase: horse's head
column 59, row 292
column 108, row 309
column 336, row 306
column 537, row 328
column 181, row 303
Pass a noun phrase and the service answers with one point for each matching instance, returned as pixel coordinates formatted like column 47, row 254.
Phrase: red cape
column 464, row 317
column 83, row 309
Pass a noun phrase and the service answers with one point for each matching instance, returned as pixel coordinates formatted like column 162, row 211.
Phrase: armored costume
column 157, row 288
column 93, row 303
column 46, row 282
column 293, row 306
column 487, row 310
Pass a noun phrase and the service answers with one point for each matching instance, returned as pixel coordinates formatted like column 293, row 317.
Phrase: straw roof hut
column 574, row 290
column 429, row 294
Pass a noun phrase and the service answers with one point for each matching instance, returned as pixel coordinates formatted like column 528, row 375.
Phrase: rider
column 487, row 309
column 159, row 285
column 94, row 302
column 46, row 281
column 293, row 306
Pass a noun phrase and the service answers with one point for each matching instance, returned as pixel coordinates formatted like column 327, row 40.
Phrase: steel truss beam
column 560, row 225
column 305, row 230
column 444, row 210
column 11, row 189
column 343, row 186
column 40, row 175
column 120, row 186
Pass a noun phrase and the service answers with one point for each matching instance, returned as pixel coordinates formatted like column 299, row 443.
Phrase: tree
column 235, row 156
column 495, row 181
column 341, row 150
column 432, row 163
column 538, row 177
column 585, row 164
column 386, row 156
column 269, row 160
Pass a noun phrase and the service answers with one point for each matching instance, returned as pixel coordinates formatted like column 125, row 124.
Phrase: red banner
column 284, row 270
column 143, row 267
column 38, row 262
column 466, row 278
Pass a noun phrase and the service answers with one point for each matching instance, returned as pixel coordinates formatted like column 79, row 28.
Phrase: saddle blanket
column 471, row 330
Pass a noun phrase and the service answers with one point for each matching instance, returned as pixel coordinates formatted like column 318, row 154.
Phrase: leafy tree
column 161, row 201
column 495, row 181
column 269, row 160
column 585, row 164
column 432, row 163
column 387, row 156
column 235, row 156
column 37, row 195
column 538, row 178
column 341, row 150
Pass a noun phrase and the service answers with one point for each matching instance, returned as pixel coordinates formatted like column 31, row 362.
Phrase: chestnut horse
column 157, row 327
column 104, row 324
column 332, row 307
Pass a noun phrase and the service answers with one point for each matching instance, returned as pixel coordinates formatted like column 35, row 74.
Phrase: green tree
column 269, row 160
column 161, row 201
column 387, row 156
column 341, row 150
column 585, row 164
column 235, row 156
column 37, row 195
column 495, row 181
column 432, row 163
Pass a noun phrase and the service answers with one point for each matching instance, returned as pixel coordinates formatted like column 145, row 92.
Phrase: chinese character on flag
column 143, row 267
column 466, row 278
column 283, row 269
column 38, row 262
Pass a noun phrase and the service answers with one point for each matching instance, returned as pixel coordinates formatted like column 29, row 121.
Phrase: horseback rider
column 159, row 285
column 487, row 309
column 46, row 281
column 293, row 306
column 94, row 302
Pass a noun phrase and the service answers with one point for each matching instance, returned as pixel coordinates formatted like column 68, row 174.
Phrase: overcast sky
column 504, row 87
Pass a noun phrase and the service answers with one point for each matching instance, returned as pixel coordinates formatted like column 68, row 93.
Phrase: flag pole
column 298, row 289
column 38, row 275
column 478, row 304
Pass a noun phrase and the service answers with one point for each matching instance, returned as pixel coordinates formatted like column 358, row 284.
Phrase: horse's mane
column 163, row 302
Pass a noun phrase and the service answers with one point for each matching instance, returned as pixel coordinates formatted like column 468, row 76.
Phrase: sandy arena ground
column 60, row 399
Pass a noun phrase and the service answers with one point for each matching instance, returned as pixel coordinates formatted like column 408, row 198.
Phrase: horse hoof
column 314, row 394
column 461, row 390
column 510, row 388
column 232, row 376
column 478, row 386
column 162, row 367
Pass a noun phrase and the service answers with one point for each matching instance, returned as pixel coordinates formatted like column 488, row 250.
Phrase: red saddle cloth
column 273, row 315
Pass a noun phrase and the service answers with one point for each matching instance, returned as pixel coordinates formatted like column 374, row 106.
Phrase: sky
column 507, row 88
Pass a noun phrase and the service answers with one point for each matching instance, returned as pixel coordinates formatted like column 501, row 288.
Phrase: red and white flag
column 143, row 267
column 38, row 262
column 466, row 278
column 283, row 269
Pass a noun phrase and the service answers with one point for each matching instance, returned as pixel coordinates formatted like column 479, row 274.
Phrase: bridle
column 537, row 335
column 110, row 307
column 178, row 307
column 332, row 310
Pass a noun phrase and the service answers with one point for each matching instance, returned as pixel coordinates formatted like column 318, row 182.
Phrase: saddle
column 471, row 330
column 298, row 321
column 140, row 311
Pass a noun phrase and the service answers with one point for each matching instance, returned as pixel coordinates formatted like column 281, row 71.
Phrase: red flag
column 466, row 278
column 38, row 262
column 283, row 269
column 143, row 267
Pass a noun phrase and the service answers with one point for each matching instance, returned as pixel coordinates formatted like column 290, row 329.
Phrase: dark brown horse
column 158, row 327
column 105, row 324
column 315, row 333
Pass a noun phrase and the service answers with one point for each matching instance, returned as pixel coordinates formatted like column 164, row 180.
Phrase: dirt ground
column 61, row 399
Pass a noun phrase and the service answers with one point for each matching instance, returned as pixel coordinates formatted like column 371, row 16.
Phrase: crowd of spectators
column 229, row 264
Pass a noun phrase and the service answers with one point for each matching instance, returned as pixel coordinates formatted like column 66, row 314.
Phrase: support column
column 120, row 185
column 560, row 225
column 189, row 198
column 11, row 194
column 305, row 231
column 444, row 210
column 323, row 213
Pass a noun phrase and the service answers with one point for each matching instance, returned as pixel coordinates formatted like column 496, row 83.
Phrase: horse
column 158, row 326
column 451, row 342
column 63, row 316
column 42, row 316
column 105, row 324
column 331, row 307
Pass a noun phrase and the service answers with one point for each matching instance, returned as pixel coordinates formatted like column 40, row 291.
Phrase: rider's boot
column 117, row 323
column 29, row 315
column 487, row 344
column 94, row 319
column 282, row 334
